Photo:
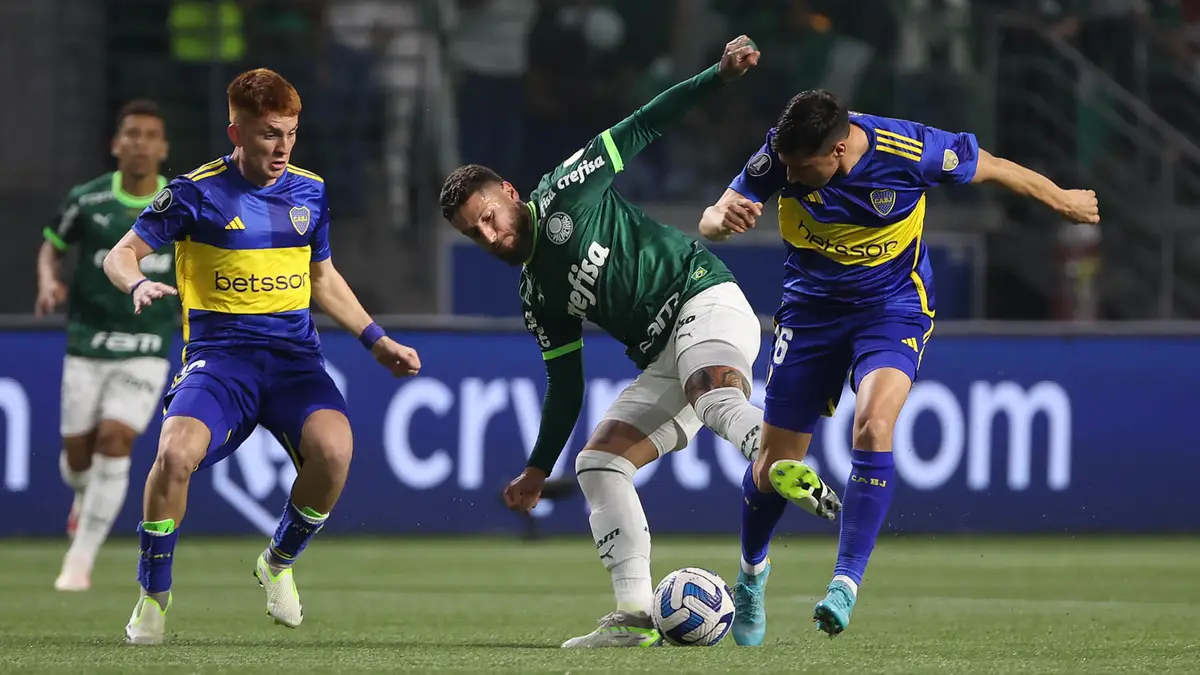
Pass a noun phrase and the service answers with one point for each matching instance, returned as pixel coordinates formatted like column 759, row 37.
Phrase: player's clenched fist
column 146, row 292
column 523, row 492
column 1079, row 206
column 740, row 55
column 400, row 360
column 50, row 295
column 733, row 214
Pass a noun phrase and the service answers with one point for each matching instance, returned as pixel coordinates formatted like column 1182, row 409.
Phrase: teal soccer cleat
column 750, row 612
column 833, row 613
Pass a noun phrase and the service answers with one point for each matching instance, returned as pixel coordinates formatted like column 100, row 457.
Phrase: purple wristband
column 371, row 335
column 136, row 284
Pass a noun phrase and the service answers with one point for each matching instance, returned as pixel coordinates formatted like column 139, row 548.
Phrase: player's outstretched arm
column 732, row 214
column 647, row 123
column 121, row 265
column 560, row 411
column 1078, row 206
column 334, row 295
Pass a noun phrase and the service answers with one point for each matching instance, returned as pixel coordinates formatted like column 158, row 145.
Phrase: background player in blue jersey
column 251, row 236
column 858, row 299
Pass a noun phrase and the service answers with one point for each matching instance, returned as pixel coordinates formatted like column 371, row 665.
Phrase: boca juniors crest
column 300, row 217
column 883, row 201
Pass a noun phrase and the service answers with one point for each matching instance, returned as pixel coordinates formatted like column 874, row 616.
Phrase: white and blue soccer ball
column 693, row 608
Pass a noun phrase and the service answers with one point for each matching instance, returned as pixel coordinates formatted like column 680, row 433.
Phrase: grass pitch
column 1104, row 605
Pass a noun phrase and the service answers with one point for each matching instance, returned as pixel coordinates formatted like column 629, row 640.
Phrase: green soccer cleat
column 833, row 613
column 750, row 612
column 797, row 482
column 619, row 629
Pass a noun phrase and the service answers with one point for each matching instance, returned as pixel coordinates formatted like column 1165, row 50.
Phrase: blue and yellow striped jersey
column 242, row 254
column 858, row 239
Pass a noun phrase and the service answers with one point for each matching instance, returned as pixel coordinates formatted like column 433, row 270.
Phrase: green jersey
column 100, row 319
column 596, row 257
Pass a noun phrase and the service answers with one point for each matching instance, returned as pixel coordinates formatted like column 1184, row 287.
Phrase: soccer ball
column 692, row 608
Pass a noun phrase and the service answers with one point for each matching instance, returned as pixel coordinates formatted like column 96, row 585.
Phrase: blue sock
column 296, row 528
column 156, row 553
column 864, row 507
column 761, row 512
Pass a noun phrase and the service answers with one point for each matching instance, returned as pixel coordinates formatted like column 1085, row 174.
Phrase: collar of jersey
column 866, row 158
column 534, row 216
column 133, row 201
column 239, row 178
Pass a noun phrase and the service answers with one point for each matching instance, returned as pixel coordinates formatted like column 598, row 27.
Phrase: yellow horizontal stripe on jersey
column 305, row 172
column 898, row 139
column 900, row 150
column 243, row 281
column 205, row 167
column 208, row 174
column 849, row 244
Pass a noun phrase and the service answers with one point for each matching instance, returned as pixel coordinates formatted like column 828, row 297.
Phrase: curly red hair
column 261, row 92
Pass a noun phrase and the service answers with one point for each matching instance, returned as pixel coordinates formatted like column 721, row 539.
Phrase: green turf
column 963, row 606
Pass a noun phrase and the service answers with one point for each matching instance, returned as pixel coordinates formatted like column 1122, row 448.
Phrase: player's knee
column 715, row 378
column 873, row 432
column 326, row 441
column 115, row 440
column 183, row 443
column 598, row 460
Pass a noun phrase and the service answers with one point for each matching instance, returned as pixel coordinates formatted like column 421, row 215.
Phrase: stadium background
column 1060, row 349
column 1056, row 405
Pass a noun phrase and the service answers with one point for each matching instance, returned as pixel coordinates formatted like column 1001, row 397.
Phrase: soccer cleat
column 74, row 576
column 148, row 623
column 833, row 613
column 802, row 486
column 750, row 612
column 619, row 629
column 283, row 601
column 73, row 516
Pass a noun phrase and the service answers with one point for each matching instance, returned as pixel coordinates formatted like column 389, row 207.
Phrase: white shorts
column 708, row 326
column 128, row 391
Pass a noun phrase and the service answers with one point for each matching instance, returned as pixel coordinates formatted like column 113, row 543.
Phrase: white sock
column 727, row 412
column 76, row 480
column 102, row 501
column 754, row 569
column 619, row 527
column 849, row 582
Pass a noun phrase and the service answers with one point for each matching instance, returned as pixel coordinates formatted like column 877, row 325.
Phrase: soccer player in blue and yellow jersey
column 858, row 299
column 251, row 235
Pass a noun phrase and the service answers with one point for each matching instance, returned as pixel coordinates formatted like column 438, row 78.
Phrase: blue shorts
column 817, row 347
column 233, row 391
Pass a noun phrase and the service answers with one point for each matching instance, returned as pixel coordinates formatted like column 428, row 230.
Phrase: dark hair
column 141, row 106
column 461, row 184
column 810, row 122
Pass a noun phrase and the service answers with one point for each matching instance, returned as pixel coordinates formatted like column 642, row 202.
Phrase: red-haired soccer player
column 251, row 235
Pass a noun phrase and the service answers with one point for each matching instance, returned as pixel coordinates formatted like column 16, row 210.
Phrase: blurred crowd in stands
column 532, row 80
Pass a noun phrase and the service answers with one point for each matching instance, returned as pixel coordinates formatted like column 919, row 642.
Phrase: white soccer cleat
column 148, row 623
column 619, row 629
column 283, row 601
column 75, row 575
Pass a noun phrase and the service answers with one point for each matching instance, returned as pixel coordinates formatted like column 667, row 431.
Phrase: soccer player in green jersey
column 587, row 254
column 116, row 363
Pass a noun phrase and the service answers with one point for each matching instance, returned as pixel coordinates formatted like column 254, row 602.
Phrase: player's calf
column 325, row 451
column 101, row 502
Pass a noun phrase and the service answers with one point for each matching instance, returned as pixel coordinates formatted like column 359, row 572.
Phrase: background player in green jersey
column 587, row 254
column 116, row 364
